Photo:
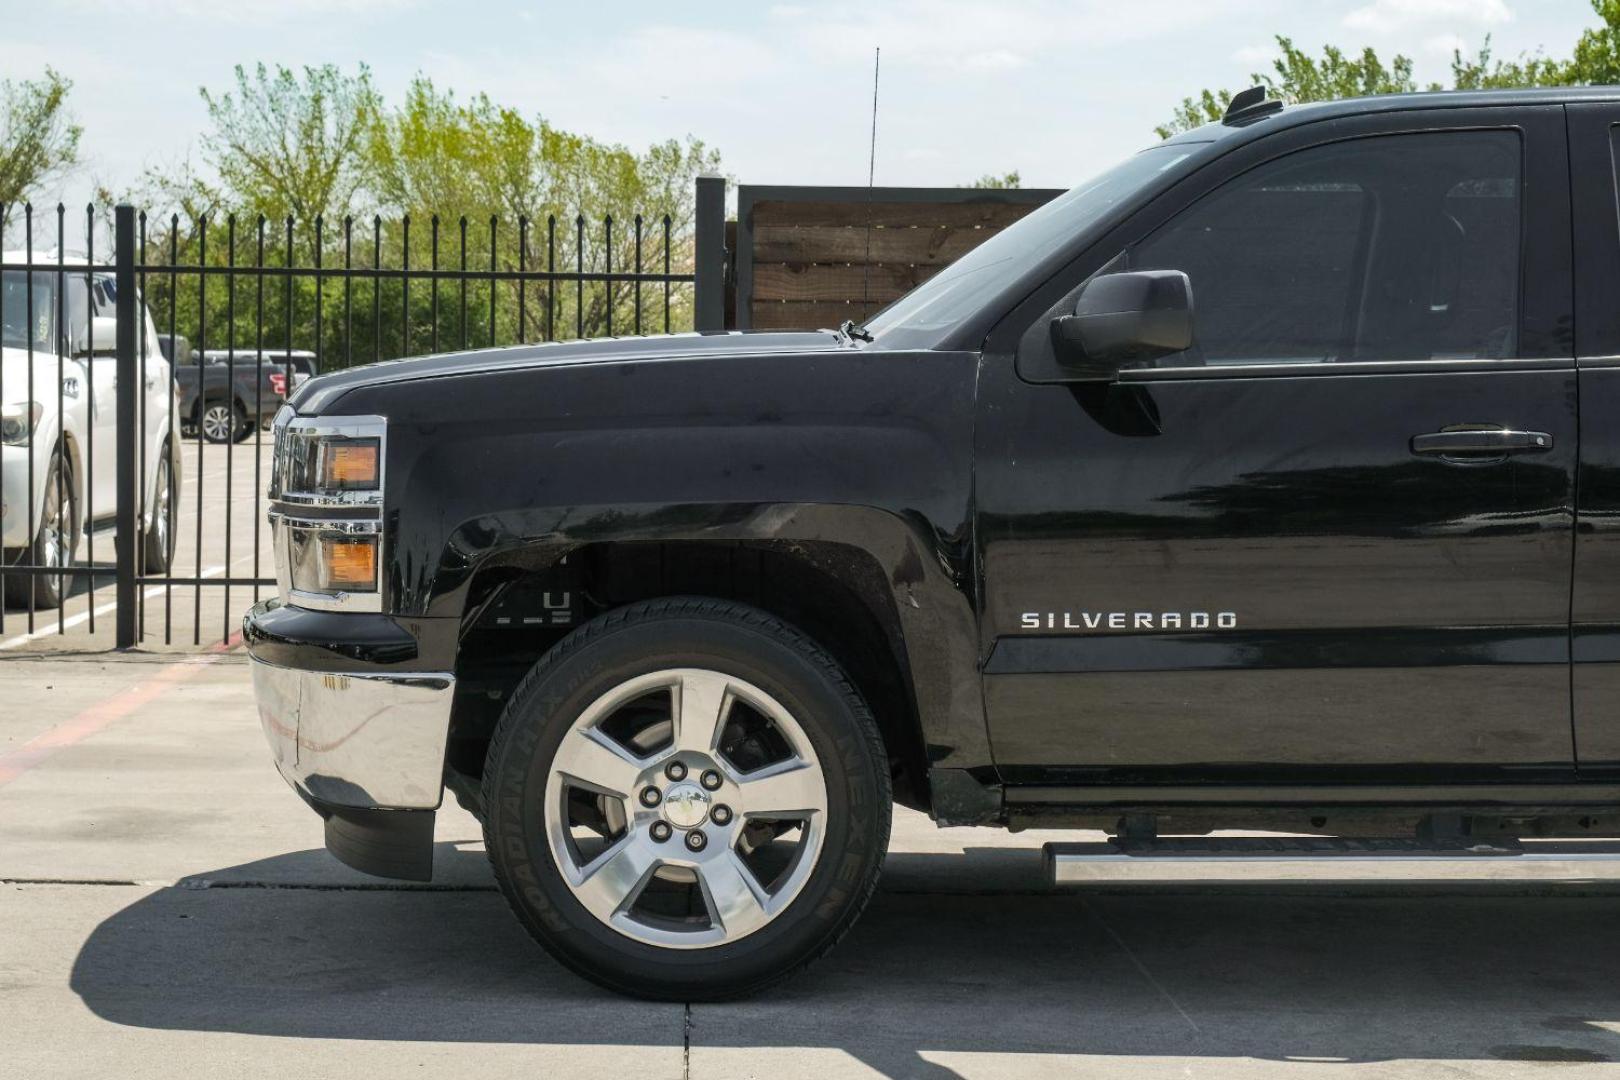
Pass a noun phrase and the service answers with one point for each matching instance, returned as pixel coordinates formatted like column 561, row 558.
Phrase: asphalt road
column 166, row 908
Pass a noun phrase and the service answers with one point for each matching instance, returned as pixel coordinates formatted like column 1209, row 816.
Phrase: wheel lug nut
column 696, row 840
column 660, row 831
column 651, row 796
column 675, row 771
column 711, row 779
column 721, row 814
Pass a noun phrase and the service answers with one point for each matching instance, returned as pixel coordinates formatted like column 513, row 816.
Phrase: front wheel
column 161, row 534
column 687, row 799
column 54, row 544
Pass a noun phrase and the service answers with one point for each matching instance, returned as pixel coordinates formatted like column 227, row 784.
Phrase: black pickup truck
column 1268, row 481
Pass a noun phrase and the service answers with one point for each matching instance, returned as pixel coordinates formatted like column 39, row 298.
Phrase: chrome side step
column 1266, row 860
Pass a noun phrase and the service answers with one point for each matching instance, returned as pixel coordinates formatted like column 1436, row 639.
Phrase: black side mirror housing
column 1124, row 320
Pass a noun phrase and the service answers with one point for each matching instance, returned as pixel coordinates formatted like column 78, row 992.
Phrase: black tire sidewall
column 832, row 718
column 158, row 556
column 47, row 593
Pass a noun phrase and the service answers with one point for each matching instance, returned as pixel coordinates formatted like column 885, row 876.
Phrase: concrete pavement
column 165, row 907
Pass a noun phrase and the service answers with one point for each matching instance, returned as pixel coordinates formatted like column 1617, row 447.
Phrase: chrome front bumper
column 360, row 740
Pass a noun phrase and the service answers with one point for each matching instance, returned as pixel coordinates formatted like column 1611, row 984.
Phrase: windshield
column 921, row 318
column 22, row 313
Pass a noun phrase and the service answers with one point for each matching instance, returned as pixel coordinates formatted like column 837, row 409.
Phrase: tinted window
column 1391, row 248
column 28, row 310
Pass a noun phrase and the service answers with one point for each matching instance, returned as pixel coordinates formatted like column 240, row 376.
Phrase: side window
column 1395, row 247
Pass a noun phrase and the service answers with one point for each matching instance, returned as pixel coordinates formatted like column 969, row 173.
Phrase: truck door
column 1331, row 542
column 1594, row 132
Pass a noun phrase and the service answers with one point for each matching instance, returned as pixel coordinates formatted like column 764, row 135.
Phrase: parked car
column 1234, row 489
column 225, row 394
column 58, row 425
column 173, row 346
column 305, row 364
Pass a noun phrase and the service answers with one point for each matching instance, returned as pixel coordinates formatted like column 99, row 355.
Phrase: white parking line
column 75, row 620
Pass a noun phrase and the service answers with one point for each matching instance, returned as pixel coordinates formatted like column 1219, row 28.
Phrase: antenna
column 871, row 174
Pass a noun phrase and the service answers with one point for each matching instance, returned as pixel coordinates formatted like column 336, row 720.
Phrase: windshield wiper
column 853, row 332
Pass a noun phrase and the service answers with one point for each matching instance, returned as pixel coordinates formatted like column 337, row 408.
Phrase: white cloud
column 1388, row 16
column 1445, row 44
column 244, row 14
column 994, row 60
column 1255, row 54
column 986, row 35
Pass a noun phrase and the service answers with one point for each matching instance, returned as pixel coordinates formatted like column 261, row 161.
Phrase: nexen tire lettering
column 1123, row 620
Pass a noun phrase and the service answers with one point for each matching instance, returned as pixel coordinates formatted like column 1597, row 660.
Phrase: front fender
column 873, row 451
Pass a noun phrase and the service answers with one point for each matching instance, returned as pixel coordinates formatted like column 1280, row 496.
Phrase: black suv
column 1269, row 480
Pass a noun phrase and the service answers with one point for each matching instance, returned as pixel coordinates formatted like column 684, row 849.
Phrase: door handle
column 1482, row 442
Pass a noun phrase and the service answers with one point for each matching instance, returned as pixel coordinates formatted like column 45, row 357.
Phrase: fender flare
column 928, row 575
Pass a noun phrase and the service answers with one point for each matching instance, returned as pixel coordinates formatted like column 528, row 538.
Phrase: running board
column 1270, row 860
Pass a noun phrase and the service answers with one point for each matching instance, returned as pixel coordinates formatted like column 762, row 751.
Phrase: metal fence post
column 128, row 417
column 709, row 289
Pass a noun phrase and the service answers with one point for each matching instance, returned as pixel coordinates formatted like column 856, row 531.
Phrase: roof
column 1293, row 115
column 42, row 258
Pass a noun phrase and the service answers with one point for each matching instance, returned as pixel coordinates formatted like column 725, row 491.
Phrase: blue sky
column 1053, row 90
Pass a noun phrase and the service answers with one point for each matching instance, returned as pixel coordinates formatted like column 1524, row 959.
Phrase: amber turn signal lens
column 349, row 466
column 350, row 564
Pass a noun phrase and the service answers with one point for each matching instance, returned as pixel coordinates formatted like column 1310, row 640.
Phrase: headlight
column 337, row 557
column 328, row 461
column 18, row 422
column 326, row 502
column 348, row 464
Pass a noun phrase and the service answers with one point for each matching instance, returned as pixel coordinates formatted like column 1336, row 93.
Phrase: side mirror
column 1123, row 320
column 103, row 337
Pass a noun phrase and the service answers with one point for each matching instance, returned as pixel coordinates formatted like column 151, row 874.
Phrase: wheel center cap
column 686, row 805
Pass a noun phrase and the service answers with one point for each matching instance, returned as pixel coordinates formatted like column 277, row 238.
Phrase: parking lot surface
column 166, row 908
column 220, row 487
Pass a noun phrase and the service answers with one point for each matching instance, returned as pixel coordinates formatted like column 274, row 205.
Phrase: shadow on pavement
column 1361, row 975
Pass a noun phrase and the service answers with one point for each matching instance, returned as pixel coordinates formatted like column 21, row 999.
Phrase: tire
column 222, row 421
column 161, row 536
column 793, row 729
column 54, row 544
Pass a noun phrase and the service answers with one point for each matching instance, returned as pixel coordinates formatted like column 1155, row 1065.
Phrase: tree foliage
column 335, row 172
column 1296, row 76
column 38, row 138
column 284, row 143
column 997, row 181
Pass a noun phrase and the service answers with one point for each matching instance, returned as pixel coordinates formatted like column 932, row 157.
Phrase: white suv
column 48, row 457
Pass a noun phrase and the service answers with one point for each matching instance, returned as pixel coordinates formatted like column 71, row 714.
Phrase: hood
column 320, row 393
column 14, row 376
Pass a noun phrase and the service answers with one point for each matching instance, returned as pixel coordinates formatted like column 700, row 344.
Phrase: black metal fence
column 137, row 391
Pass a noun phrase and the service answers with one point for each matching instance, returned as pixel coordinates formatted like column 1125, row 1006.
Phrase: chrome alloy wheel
column 219, row 422
column 163, row 513
column 685, row 808
column 54, row 531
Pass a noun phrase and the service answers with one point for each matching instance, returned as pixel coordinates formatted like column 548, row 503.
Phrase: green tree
column 475, row 160
column 38, row 139
column 283, row 144
column 336, row 174
column 1298, row 77
column 997, row 181
column 1596, row 61
column 1483, row 71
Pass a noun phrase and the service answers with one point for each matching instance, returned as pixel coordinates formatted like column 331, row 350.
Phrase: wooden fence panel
column 807, row 258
